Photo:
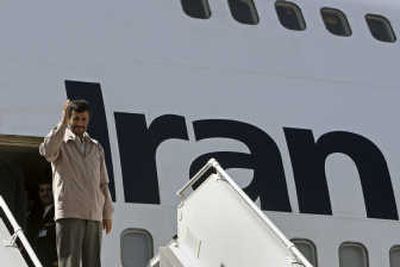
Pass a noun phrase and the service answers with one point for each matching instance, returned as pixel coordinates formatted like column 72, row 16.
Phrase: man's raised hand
column 65, row 115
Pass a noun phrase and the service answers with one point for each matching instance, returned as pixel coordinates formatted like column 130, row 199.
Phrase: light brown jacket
column 80, row 180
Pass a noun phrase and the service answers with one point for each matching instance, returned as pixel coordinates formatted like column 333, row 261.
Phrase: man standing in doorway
column 41, row 225
column 82, row 199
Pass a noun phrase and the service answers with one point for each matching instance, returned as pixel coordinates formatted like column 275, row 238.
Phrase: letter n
column 308, row 160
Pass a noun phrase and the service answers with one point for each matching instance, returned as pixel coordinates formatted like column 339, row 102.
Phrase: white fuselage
column 152, row 59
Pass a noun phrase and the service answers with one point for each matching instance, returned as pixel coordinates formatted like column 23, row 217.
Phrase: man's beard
column 46, row 201
column 78, row 130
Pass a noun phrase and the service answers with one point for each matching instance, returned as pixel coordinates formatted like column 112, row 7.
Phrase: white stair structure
column 13, row 241
column 219, row 225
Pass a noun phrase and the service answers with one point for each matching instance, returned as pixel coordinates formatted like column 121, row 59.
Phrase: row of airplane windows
column 350, row 253
column 291, row 17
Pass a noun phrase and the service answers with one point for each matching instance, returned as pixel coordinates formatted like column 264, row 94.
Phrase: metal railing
column 212, row 163
column 18, row 234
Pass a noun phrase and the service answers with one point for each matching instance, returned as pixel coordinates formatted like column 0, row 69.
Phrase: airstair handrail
column 19, row 233
column 212, row 163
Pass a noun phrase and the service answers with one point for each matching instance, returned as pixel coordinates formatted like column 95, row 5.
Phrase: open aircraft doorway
column 22, row 172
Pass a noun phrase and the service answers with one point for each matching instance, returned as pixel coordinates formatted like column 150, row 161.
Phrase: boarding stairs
column 15, row 250
column 218, row 225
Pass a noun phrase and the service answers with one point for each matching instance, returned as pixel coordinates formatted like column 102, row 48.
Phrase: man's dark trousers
column 78, row 240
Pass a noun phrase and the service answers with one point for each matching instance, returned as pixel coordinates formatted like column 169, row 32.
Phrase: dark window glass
column 353, row 255
column 308, row 249
column 335, row 21
column 136, row 247
column 199, row 9
column 380, row 28
column 244, row 11
column 395, row 256
column 290, row 16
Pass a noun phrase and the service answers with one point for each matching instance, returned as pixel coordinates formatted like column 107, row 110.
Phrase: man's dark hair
column 45, row 178
column 79, row 105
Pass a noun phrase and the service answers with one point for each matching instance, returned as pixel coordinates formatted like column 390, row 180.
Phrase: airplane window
column 308, row 249
column 395, row 256
column 353, row 255
column 199, row 9
column 244, row 11
column 380, row 28
column 136, row 247
column 335, row 21
column 290, row 16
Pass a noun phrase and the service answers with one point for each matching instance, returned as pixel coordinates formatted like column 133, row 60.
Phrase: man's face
column 45, row 194
column 78, row 122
